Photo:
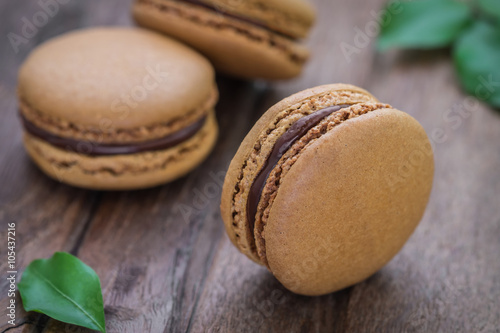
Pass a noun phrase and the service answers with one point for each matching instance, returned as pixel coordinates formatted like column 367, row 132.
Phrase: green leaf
column 64, row 288
column 477, row 58
column 422, row 24
column 491, row 7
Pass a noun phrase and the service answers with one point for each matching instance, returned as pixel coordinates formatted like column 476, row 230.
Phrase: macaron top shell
column 117, row 79
column 293, row 18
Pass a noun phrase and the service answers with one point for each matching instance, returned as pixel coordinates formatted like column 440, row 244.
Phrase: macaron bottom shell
column 124, row 172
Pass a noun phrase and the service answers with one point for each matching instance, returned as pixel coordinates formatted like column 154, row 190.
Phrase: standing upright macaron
column 117, row 108
column 249, row 39
column 327, row 187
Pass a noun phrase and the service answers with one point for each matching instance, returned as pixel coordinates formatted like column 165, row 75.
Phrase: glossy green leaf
column 491, row 7
column 64, row 288
column 477, row 58
column 423, row 24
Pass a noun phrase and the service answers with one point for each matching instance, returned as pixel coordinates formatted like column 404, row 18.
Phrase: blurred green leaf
column 64, row 288
column 423, row 24
column 477, row 58
column 491, row 7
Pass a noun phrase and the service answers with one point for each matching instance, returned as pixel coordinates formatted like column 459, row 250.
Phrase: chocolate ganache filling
column 223, row 12
column 295, row 132
column 99, row 148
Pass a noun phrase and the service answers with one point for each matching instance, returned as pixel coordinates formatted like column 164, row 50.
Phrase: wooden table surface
column 164, row 260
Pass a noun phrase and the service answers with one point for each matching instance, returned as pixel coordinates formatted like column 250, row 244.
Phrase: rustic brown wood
column 164, row 260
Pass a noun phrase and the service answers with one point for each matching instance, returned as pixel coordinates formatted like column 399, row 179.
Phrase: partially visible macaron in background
column 117, row 108
column 243, row 38
column 327, row 187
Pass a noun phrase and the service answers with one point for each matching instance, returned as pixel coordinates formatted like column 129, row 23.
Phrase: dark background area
column 164, row 260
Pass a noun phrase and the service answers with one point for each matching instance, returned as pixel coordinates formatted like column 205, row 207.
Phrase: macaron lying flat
column 117, row 108
column 249, row 39
column 327, row 187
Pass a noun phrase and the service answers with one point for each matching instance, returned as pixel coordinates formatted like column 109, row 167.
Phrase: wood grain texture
column 164, row 260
